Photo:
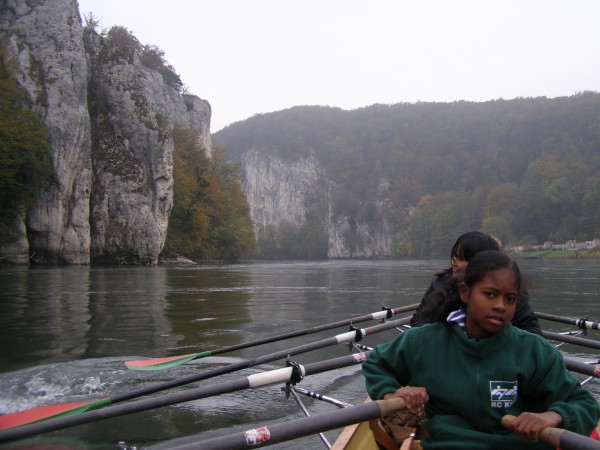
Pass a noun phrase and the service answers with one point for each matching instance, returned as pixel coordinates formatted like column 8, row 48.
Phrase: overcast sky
column 256, row 56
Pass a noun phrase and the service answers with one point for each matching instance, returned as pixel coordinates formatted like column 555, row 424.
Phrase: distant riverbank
column 593, row 253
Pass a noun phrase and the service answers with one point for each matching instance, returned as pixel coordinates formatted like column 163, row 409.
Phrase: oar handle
column 559, row 438
column 549, row 435
column 582, row 324
column 589, row 343
column 391, row 405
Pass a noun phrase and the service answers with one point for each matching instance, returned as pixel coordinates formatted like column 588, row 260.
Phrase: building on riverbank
column 550, row 246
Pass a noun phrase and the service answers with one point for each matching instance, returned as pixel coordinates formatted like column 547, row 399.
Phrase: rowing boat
column 371, row 435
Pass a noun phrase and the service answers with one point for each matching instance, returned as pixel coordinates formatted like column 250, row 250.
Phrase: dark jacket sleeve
column 417, row 319
column 524, row 317
column 438, row 284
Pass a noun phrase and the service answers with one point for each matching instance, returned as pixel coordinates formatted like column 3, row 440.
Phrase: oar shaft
column 571, row 339
column 252, row 381
column 581, row 367
column 380, row 315
column 321, row 397
column 294, row 429
column 385, row 313
column 341, row 338
column 579, row 323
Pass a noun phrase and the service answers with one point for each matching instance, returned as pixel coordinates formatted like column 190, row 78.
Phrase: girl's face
column 458, row 264
column 490, row 303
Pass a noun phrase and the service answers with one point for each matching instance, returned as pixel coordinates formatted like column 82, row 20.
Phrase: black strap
column 390, row 313
column 296, row 376
column 358, row 336
column 581, row 323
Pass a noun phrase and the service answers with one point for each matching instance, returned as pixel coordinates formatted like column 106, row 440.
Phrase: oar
column 582, row 324
column 298, row 428
column 165, row 363
column 558, row 437
column 583, row 368
column 46, row 412
column 571, row 339
column 321, row 397
column 288, row 374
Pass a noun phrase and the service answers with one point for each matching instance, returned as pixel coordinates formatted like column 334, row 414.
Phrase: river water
column 66, row 332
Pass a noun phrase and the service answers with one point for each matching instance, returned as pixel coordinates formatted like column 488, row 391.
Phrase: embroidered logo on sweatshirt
column 503, row 393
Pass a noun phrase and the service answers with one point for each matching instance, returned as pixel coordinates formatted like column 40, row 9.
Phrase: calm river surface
column 66, row 332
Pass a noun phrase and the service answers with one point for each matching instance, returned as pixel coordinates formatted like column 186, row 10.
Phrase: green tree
column 189, row 221
column 154, row 58
column 231, row 233
column 526, row 160
column 210, row 216
column 24, row 153
column 590, row 207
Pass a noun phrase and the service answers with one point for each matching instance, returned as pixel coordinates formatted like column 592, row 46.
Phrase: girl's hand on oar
column 558, row 437
column 528, row 425
column 415, row 397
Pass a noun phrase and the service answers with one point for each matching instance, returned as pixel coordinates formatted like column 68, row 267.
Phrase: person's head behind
column 490, row 289
column 488, row 261
column 468, row 245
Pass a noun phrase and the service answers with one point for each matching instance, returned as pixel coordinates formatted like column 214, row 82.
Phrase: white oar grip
column 380, row 315
column 344, row 338
column 272, row 377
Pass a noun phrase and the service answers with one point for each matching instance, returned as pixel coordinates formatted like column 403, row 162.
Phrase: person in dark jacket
column 474, row 367
column 464, row 249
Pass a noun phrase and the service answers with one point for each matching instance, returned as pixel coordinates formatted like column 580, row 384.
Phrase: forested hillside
column 527, row 170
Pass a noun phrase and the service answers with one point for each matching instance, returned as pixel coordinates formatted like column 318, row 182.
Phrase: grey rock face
column 278, row 191
column 132, row 155
column 276, row 188
column 44, row 38
column 112, row 152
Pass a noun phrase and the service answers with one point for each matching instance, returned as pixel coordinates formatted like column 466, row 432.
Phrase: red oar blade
column 164, row 363
column 48, row 412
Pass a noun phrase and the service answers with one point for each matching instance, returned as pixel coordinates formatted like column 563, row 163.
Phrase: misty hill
column 526, row 169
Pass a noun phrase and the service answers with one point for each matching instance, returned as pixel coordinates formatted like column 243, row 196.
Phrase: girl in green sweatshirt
column 475, row 367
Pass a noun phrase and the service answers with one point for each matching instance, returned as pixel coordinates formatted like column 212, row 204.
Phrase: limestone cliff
column 277, row 188
column 108, row 121
column 45, row 40
column 283, row 191
column 132, row 153
column 349, row 238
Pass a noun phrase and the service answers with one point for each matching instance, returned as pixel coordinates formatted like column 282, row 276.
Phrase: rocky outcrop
column 108, row 121
column 276, row 188
column 282, row 191
column 351, row 239
column 45, row 41
column 132, row 155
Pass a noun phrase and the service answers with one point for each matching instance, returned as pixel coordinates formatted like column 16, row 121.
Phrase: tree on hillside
column 24, row 154
column 210, row 216
column 524, row 169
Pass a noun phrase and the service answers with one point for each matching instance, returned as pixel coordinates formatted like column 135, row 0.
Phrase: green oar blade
column 48, row 412
column 164, row 363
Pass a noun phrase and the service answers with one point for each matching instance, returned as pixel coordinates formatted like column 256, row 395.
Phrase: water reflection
column 207, row 306
column 45, row 315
